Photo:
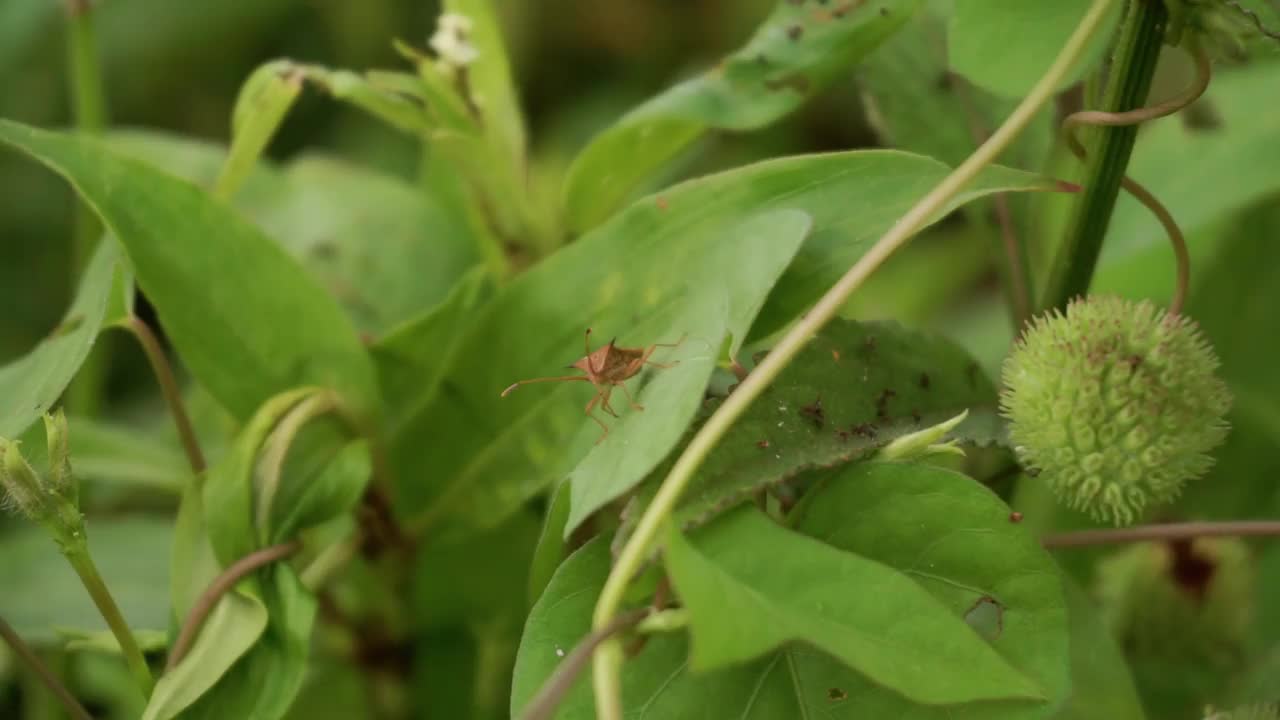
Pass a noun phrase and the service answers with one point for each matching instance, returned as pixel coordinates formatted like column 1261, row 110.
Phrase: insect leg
column 635, row 405
column 604, row 400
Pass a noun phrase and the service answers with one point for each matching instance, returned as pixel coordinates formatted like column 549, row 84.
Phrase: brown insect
column 606, row 367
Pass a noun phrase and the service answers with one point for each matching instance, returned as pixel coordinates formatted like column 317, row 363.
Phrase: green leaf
column 382, row 102
column 1234, row 148
column 103, row 451
column 263, row 683
column 623, row 273
column 751, row 586
column 324, row 211
column 1006, row 45
column 1100, row 683
column 230, row 631
column 477, row 581
column 853, row 388
column 957, row 540
column 233, row 308
column 552, row 548
column 710, row 319
column 909, row 86
column 490, row 79
column 42, row 593
column 1233, row 302
column 504, row 450
column 31, row 384
column 795, row 53
column 293, row 465
column 264, row 100
column 412, row 359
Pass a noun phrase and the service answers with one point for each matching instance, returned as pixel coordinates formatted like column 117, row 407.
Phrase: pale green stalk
column 607, row 661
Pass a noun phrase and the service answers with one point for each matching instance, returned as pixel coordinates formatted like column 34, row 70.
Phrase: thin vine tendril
column 1099, row 118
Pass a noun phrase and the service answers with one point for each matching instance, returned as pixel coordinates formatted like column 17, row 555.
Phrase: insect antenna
column 560, row 378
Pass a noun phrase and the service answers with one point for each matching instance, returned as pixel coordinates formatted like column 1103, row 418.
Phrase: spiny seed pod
column 1115, row 404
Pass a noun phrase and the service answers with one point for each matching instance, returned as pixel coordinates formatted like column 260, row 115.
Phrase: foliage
column 309, row 496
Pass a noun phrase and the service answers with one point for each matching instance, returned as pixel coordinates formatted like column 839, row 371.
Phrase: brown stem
column 219, row 587
column 169, row 388
column 544, row 704
column 42, row 671
column 1141, row 194
column 1170, row 531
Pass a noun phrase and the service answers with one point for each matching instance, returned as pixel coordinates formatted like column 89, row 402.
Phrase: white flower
column 452, row 41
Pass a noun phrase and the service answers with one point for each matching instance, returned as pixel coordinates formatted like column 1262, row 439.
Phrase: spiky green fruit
column 1115, row 403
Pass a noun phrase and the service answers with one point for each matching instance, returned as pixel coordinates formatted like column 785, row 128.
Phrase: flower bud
column 21, row 483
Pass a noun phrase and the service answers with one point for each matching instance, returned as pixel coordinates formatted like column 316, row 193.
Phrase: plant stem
column 1132, row 66
column 544, row 704
column 89, row 106
column 37, row 666
column 1170, row 531
column 208, row 599
column 169, row 388
column 608, row 657
column 78, row 555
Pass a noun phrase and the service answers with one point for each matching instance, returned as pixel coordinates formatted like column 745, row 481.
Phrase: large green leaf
column 500, row 451
column 41, row 592
column 264, row 682
column 751, row 586
column 31, row 384
column 110, row 452
column 798, row 50
column 412, row 358
column 722, row 311
column 1006, row 45
column 853, row 388
column 1236, row 153
column 958, row 541
column 245, row 318
column 635, row 277
column 384, row 249
column 1100, row 683
column 1234, row 302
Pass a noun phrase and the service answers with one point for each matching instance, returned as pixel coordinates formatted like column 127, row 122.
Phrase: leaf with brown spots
column 821, row 414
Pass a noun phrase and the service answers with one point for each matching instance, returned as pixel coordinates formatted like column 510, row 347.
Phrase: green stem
column 42, row 672
column 89, row 105
column 82, row 562
column 608, row 657
column 1132, row 66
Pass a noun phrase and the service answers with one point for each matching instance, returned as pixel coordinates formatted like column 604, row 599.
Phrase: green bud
column 1115, row 403
column 59, row 477
column 21, row 483
column 924, row 443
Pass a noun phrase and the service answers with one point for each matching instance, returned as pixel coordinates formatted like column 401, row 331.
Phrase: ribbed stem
column 1132, row 66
